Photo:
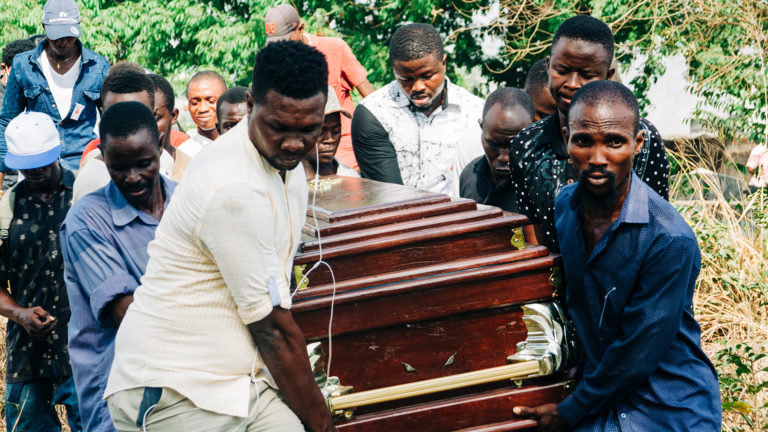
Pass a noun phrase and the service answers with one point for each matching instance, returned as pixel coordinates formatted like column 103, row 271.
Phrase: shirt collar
column 124, row 213
column 550, row 133
column 635, row 207
column 400, row 98
column 67, row 178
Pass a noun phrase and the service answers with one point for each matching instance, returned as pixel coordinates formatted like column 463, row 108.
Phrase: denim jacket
column 28, row 89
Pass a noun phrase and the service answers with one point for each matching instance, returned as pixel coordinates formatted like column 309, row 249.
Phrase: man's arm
column 365, row 88
column 101, row 273
column 14, row 103
column 35, row 320
column 284, row 350
column 374, row 151
column 117, row 308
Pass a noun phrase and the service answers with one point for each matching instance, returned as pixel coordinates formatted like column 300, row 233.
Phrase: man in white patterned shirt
column 213, row 311
column 420, row 130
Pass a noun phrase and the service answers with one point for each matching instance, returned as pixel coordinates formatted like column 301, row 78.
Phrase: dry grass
column 731, row 301
column 732, row 294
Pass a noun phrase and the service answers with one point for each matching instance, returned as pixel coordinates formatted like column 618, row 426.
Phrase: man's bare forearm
column 283, row 348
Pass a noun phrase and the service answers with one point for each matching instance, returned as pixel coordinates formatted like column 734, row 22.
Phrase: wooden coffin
column 424, row 291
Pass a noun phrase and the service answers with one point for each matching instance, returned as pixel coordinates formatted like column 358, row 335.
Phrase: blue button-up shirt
column 28, row 89
column 104, row 242
column 631, row 304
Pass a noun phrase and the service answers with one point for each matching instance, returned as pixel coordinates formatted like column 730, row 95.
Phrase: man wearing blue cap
column 61, row 78
column 38, row 373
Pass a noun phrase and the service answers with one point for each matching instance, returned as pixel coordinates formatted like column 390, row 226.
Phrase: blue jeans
column 30, row 405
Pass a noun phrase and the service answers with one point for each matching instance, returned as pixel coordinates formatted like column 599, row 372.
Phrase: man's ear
column 174, row 116
column 611, row 71
column 249, row 101
column 639, row 140
column 445, row 57
column 566, row 135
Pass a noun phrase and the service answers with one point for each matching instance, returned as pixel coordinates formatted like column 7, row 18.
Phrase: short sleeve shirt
column 31, row 261
column 540, row 167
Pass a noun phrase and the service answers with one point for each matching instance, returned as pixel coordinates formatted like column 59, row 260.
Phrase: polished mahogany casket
column 442, row 316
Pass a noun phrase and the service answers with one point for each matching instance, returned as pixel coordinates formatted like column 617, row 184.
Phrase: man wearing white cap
column 38, row 373
column 61, row 78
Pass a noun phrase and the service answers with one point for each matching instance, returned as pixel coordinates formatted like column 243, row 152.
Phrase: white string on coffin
column 316, row 184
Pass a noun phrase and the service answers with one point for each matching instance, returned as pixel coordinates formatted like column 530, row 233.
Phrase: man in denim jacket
column 61, row 78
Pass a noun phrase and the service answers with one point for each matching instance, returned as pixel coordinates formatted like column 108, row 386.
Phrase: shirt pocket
column 92, row 97
column 32, row 94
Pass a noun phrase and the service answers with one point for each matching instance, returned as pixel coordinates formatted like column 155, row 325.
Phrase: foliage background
column 724, row 43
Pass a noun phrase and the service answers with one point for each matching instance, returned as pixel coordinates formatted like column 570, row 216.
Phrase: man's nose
column 574, row 81
column 597, row 157
column 293, row 144
column 205, row 105
column 418, row 86
column 504, row 156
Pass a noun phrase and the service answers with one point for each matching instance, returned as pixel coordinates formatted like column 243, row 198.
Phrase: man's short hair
column 127, row 77
column 235, row 95
column 124, row 119
column 588, row 29
column 165, row 88
column 537, row 79
column 606, row 92
column 206, row 74
column 291, row 69
column 415, row 41
column 16, row 47
column 509, row 98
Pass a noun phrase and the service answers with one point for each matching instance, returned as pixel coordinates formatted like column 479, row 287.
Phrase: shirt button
column 47, row 89
column 570, row 181
column 54, row 105
column 623, row 415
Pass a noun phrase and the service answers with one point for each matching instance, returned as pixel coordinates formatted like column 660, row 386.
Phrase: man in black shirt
column 582, row 50
column 507, row 111
column 38, row 373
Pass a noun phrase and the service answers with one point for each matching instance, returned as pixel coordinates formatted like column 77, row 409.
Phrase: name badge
column 77, row 111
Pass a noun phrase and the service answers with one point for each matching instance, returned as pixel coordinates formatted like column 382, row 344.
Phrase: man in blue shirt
column 104, row 241
column 631, row 264
column 61, row 78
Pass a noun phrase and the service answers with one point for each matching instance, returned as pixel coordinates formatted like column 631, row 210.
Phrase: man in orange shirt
column 345, row 73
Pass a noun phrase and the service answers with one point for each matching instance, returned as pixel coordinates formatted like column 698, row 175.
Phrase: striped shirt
column 221, row 259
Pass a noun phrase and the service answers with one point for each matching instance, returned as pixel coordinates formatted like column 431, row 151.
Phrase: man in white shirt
column 203, row 92
column 420, row 130
column 213, row 311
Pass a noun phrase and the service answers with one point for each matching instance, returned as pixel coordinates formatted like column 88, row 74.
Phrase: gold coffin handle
column 515, row 371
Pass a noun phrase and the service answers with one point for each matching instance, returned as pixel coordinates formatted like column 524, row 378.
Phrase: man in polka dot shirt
column 582, row 50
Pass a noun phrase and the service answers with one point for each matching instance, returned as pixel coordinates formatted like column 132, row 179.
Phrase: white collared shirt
column 221, row 259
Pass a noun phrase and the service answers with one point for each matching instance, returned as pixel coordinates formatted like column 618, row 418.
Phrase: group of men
column 141, row 302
